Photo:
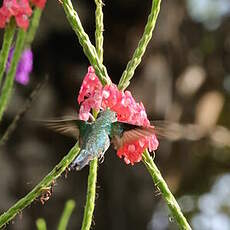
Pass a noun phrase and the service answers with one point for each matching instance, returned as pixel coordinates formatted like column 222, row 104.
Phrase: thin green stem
column 99, row 29
column 41, row 187
column 92, row 178
column 7, row 41
column 87, row 46
column 41, row 224
column 33, row 26
column 140, row 50
column 8, row 84
column 69, row 207
column 167, row 195
column 91, row 194
column 147, row 159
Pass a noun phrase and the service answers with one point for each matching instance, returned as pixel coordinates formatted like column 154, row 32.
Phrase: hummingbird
column 95, row 137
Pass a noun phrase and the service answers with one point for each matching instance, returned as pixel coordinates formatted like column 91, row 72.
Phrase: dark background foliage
column 184, row 77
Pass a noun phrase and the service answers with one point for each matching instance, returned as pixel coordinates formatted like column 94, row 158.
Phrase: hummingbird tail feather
column 81, row 160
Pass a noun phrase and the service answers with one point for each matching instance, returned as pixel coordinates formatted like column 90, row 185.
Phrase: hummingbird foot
column 101, row 158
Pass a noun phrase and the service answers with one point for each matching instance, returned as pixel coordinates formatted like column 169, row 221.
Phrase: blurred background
column 184, row 78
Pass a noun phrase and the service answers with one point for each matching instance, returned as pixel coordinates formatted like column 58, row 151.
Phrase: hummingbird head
column 108, row 115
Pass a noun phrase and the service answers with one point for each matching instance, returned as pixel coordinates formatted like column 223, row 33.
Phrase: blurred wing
column 131, row 133
column 162, row 129
column 175, row 131
column 167, row 130
column 68, row 127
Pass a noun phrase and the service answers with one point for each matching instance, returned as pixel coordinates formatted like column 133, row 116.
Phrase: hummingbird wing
column 123, row 133
column 69, row 127
column 163, row 129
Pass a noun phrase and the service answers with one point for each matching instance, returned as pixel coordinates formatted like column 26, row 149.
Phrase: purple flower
column 25, row 65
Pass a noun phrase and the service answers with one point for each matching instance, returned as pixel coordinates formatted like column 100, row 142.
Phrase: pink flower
column 111, row 96
column 19, row 9
column 90, row 94
column 93, row 95
column 87, row 105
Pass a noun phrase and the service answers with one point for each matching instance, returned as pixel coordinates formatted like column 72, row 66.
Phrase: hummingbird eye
column 115, row 117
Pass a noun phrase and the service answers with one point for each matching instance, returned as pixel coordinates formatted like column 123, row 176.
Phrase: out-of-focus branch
column 21, row 113
column 69, row 207
column 41, row 224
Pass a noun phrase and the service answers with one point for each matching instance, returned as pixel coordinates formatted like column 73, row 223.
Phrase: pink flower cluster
column 132, row 152
column 20, row 10
column 93, row 95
